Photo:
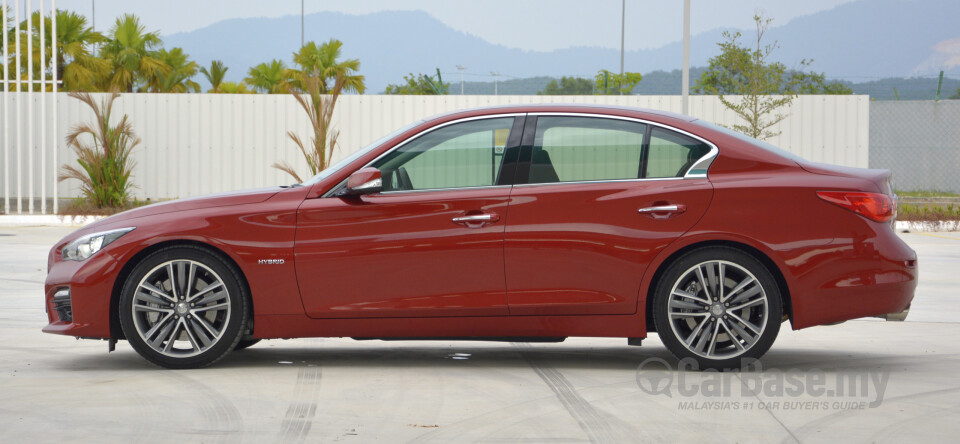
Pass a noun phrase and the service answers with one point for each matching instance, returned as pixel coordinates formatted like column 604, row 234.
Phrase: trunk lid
column 882, row 179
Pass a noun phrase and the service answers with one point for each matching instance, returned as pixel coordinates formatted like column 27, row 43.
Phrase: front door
column 600, row 198
column 430, row 244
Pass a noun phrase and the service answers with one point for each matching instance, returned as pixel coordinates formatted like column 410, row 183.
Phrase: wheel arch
column 116, row 332
column 748, row 249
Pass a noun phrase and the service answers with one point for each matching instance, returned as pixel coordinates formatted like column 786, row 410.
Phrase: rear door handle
column 663, row 211
column 476, row 220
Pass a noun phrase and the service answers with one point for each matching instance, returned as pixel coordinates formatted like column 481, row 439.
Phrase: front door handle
column 663, row 211
column 476, row 220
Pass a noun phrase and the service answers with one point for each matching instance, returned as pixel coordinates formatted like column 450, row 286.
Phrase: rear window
column 755, row 142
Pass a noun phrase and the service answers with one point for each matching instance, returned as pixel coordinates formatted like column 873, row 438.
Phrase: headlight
column 86, row 246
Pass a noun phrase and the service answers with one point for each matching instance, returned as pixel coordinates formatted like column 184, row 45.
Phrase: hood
column 192, row 203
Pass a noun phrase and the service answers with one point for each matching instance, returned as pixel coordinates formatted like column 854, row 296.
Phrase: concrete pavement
column 54, row 388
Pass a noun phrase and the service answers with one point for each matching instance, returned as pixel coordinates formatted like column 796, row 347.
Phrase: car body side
column 832, row 264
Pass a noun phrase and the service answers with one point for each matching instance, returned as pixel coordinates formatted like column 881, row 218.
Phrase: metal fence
column 202, row 143
column 919, row 141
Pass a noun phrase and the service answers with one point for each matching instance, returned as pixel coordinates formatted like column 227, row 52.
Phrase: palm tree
column 131, row 51
column 271, row 78
column 323, row 60
column 234, row 88
column 179, row 77
column 72, row 45
column 77, row 66
column 215, row 75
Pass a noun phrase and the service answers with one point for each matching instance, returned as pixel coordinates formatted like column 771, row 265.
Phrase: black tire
column 245, row 343
column 733, row 340
column 211, row 324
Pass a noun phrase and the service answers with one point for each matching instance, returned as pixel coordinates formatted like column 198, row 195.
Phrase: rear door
column 596, row 198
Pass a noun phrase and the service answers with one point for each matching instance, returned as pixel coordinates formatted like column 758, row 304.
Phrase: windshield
column 752, row 141
column 330, row 170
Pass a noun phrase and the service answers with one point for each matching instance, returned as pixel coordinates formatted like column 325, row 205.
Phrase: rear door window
column 574, row 149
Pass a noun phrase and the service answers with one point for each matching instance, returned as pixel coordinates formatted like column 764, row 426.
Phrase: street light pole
column 623, row 28
column 461, row 69
column 301, row 22
column 685, row 77
column 495, row 75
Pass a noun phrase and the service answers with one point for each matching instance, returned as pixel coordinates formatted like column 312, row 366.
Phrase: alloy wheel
column 181, row 308
column 718, row 309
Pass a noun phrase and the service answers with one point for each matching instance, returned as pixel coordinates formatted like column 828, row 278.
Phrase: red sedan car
column 529, row 223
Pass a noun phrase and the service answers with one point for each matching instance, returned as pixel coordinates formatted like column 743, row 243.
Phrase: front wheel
column 183, row 307
column 718, row 306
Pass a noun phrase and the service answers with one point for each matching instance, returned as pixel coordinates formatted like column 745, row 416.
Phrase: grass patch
column 926, row 193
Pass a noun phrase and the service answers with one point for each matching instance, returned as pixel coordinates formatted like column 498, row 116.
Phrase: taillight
column 873, row 206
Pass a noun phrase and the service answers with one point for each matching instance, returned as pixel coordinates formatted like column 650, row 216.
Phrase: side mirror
column 364, row 181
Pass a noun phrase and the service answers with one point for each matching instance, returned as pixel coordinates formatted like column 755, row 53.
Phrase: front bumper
column 89, row 284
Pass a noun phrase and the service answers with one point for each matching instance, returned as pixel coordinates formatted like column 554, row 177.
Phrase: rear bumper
column 863, row 276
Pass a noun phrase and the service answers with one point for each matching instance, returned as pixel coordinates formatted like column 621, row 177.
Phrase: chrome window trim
column 480, row 187
column 652, row 179
column 699, row 168
column 429, row 130
column 434, row 128
column 333, row 191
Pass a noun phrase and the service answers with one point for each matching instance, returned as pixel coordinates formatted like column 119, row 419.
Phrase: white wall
column 204, row 143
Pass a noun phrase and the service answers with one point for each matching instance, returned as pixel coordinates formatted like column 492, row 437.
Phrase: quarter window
column 461, row 155
column 672, row 154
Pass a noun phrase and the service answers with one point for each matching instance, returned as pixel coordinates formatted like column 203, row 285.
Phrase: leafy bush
column 318, row 151
column 921, row 213
column 103, row 152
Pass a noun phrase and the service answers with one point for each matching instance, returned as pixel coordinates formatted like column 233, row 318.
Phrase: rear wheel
column 718, row 306
column 183, row 307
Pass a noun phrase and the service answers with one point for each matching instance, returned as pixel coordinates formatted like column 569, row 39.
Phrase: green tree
column 324, row 60
column 132, row 53
column 764, row 87
column 568, row 86
column 956, row 95
column 234, row 88
column 748, row 73
column 421, row 84
column 76, row 65
column 215, row 75
column 178, row 78
column 271, row 77
column 608, row 83
column 814, row 83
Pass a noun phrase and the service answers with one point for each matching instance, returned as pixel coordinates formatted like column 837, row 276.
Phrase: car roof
column 563, row 107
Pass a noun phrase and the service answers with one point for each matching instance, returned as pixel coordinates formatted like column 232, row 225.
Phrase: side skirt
column 492, row 327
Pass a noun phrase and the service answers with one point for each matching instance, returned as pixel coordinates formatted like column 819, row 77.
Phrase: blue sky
column 525, row 24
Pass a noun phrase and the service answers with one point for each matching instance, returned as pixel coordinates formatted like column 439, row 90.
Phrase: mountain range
column 858, row 41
